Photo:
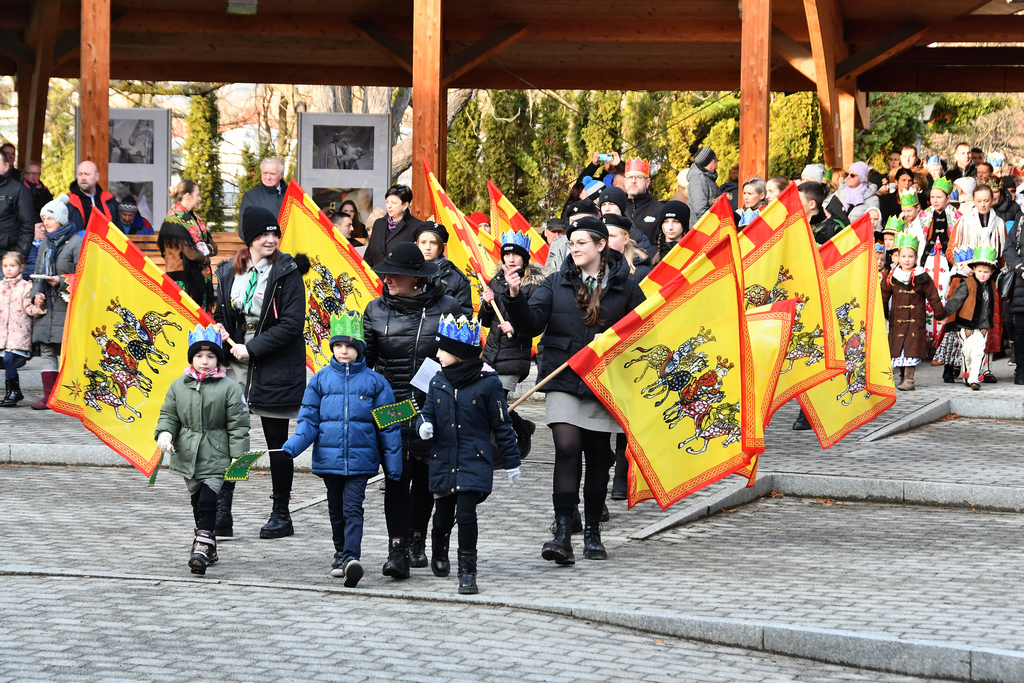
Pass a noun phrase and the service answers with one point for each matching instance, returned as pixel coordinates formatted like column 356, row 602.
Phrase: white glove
column 513, row 476
column 163, row 442
column 426, row 431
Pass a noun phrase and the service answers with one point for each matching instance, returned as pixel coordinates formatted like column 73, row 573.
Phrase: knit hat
column 56, row 209
column 861, row 169
column 675, row 209
column 127, row 205
column 583, row 207
column 613, row 195
column 430, row 226
column 476, row 218
column 682, row 178
column 705, row 155
column 459, row 337
column 592, row 188
column 205, row 339
column 944, row 185
column 514, row 242
column 590, row 224
column 347, row 328
column 255, row 221
column 815, row 171
column 965, row 186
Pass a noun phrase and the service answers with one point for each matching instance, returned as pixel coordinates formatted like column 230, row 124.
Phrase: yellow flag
column 338, row 280
column 864, row 391
column 506, row 218
column 125, row 341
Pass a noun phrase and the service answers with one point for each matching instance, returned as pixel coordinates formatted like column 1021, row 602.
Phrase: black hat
column 617, row 220
column 430, row 226
column 555, row 224
column 590, row 224
column 613, row 195
column 255, row 221
column 675, row 209
column 584, row 206
column 406, row 259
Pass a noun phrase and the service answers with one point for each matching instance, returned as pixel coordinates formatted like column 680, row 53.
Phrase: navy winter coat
column 336, row 417
column 461, row 458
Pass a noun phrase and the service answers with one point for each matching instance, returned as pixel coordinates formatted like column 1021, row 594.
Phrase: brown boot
column 908, row 379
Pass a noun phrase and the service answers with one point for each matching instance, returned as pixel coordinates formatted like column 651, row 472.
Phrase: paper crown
column 347, row 324
column 909, row 198
column 516, row 239
column 638, row 166
column 747, row 216
column 907, row 239
column 893, row 226
column 944, row 185
column 209, row 334
column 934, row 159
column 466, row 331
column 984, row 254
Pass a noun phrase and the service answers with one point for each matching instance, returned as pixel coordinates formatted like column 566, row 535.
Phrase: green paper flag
column 152, row 477
column 385, row 416
column 239, row 469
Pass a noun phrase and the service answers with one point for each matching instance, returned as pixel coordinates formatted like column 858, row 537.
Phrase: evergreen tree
column 508, row 149
column 551, row 150
column 202, row 157
column 603, row 130
column 794, row 122
column 641, row 126
column 578, row 121
column 465, row 186
column 58, row 162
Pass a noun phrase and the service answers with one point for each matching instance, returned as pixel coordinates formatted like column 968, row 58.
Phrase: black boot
column 605, row 515
column 204, row 552
column 593, row 549
column 1018, row 374
column 559, row 549
column 418, row 550
column 225, row 523
column 801, row 423
column 439, row 563
column 619, row 480
column 467, row 572
column 397, row 566
column 280, row 523
column 948, row 373
column 12, row 394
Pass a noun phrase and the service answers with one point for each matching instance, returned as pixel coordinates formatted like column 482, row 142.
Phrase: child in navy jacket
column 337, row 418
column 464, row 406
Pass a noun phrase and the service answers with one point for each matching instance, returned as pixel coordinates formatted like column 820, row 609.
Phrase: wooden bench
column 227, row 244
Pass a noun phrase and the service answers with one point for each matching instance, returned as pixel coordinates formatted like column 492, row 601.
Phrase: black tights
column 572, row 445
column 1018, row 339
column 282, row 468
column 408, row 502
column 461, row 508
column 204, row 508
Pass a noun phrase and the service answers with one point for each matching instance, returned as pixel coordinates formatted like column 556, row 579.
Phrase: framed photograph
column 345, row 156
column 131, row 141
column 141, row 194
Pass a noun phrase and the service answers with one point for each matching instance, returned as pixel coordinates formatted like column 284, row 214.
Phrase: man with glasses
column 641, row 208
column 703, row 188
column 40, row 193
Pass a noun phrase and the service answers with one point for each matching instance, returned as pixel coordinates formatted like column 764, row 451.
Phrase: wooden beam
column 95, row 84
column 482, row 50
column 847, row 115
column 822, row 18
column 795, row 54
column 863, row 117
column 23, row 84
column 755, row 87
column 40, row 36
column 975, row 28
column 429, row 101
column 66, row 46
column 398, row 50
column 14, row 47
column 964, row 56
column 913, row 78
column 882, row 50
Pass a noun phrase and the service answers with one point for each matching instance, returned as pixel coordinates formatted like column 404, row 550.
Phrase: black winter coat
column 270, row 198
column 81, row 218
column 507, row 356
column 824, row 228
column 553, row 306
column 17, row 223
column 456, row 285
column 277, row 354
column 461, row 454
column 643, row 211
column 1009, row 211
column 383, row 240
column 1013, row 253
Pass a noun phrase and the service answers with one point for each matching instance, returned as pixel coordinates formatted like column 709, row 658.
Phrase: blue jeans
column 345, row 497
column 11, row 364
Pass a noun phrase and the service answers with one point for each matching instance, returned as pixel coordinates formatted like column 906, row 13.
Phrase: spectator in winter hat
column 702, row 186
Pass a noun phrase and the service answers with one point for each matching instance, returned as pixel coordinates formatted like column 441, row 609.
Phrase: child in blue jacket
column 464, row 405
column 337, row 418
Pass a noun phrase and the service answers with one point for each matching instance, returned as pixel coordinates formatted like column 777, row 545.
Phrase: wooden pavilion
column 839, row 48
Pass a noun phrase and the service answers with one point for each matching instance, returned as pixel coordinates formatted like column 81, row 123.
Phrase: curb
column 973, row 408
column 97, row 455
column 878, row 652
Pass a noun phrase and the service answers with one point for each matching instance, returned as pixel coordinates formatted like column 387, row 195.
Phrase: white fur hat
column 682, row 179
column 56, row 209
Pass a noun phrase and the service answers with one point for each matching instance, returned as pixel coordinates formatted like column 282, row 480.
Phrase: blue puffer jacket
column 460, row 453
column 336, row 417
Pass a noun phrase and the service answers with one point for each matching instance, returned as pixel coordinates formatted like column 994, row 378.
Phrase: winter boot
column 224, row 520
column 397, row 566
column 559, row 549
column 353, row 571
column 49, row 379
column 801, row 424
column 280, row 523
column 908, row 379
column 619, row 480
column 418, row 550
column 439, row 563
column 467, row 572
column 1018, row 374
column 12, row 394
column 949, row 373
column 605, row 515
column 593, row 549
column 204, row 552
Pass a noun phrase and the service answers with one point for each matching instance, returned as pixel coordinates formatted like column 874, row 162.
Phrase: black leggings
column 461, row 508
column 572, row 445
column 408, row 502
column 282, row 468
column 1018, row 339
column 204, row 508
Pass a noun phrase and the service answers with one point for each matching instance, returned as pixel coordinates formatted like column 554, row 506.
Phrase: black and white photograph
column 142, row 193
column 348, row 148
column 131, row 141
column 333, row 197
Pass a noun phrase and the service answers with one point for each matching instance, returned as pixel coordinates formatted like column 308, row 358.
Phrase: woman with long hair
column 187, row 245
column 591, row 291
column 673, row 222
column 348, row 207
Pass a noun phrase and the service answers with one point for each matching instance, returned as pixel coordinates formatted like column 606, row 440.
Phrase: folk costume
column 187, row 246
column 971, row 306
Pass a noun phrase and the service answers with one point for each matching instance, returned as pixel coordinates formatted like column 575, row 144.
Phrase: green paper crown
column 944, row 185
column 909, row 199
column 907, row 239
column 894, row 225
column 985, row 254
column 347, row 324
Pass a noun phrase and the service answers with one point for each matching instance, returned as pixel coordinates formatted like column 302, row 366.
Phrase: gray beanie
column 56, row 209
column 704, row 157
column 816, row 171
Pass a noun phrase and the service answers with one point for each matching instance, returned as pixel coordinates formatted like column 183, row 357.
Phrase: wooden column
column 40, row 37
column 824, row 25
column 429, row 102
column 94, row 99
column 847, row 117
column 24, row 87
column 755, row 93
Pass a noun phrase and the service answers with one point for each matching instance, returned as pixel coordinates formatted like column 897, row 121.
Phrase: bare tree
column 401, row 154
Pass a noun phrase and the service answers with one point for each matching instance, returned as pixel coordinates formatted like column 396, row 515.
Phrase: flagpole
column 494, row 304
column 538, row 385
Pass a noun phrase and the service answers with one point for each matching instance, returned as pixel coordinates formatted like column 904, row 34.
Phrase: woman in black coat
column 397, row 225
column 261, row 306
column 431, row 239
column 590, row 292
column 400, row 329
column 1013, row 253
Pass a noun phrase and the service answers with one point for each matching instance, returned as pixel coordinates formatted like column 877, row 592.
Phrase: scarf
column 853, row 196
column 56, row 240
column 190, row 371
column 462, row 374
column 392, row 223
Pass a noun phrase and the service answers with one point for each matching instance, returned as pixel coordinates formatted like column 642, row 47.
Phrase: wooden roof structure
column 839, row 48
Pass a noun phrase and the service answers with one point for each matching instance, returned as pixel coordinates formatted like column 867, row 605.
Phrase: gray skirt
column 239, row 371
column 509, row 382
column 585, row 412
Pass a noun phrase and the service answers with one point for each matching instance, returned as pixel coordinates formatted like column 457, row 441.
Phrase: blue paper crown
column 462, row 330
column 934, row 159
column 963, row 254
column 205, row 334
column 519, row 239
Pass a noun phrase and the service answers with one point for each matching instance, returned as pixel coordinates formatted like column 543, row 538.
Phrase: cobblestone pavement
column 91, row 630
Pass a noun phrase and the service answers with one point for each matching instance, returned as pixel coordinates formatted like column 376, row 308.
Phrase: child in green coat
column 204, row 424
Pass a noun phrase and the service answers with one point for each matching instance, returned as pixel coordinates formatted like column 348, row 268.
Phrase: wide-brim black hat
column 406, row 259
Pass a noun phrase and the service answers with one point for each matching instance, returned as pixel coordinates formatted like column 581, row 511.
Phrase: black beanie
column 204, row 345
column 460, row 350
column 430, row 226
column 255, row 221
column 613, row 195
column 675, row 209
